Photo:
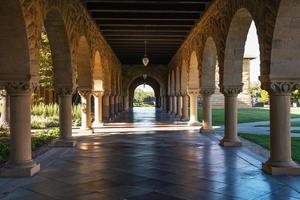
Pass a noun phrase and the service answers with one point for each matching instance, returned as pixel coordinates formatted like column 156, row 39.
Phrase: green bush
column 4, row 132
column 38, row 139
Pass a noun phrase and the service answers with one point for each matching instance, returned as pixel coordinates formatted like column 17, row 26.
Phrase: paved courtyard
column 147, row 158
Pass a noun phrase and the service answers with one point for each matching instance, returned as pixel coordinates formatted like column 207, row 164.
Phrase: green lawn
column 295, row 124
column 264, row 141
column 244, row 115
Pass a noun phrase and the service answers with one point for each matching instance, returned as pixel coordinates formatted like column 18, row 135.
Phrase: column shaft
column 230, row 138
column 185, row 113
column 85, row 110
column 170, row 104
column 174, row 104
column 106, row 111
column 20, row 160
column 179, row 107
column 280, row 161
column 194, row 110
column 112, row 107
column 98, row 122
column 65, row 116
column 206, row 114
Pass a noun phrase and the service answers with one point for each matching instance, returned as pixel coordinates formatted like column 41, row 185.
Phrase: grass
column 245, row 115
column 264, row 141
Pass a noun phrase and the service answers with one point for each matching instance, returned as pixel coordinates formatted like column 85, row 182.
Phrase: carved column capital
column 231, row 90
column 64, row 91
column 193, row 92
column 20, row 87
column 98, row 93
column 84, row 92
column 281, row 87
column 207, row 91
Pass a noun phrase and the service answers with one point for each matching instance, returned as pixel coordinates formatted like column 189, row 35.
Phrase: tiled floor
column 166, row 164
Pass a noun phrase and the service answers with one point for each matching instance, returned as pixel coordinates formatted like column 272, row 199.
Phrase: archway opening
column 144, row 96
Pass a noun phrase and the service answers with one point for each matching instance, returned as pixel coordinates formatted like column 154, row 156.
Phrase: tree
column 46, row 66
column 264, row 96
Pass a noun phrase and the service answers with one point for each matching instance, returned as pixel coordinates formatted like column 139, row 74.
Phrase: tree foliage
column 46, row 66
column 143, row 96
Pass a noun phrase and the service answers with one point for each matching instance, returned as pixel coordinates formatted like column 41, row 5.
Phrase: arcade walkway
column 149, row 160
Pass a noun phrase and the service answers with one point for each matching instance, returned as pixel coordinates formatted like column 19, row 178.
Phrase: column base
column 64, row 143
column 285, row 168
column 207, row 130
column 97, row 125
column 230, row 143
column 28, row 169
column 178, row 117
column 194, row 123
column 184, row 119
column 86, row 130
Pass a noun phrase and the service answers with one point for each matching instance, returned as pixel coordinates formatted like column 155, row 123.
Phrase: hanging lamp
column 145, row 59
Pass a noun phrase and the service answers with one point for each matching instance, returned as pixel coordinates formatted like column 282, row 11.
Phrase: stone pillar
column 174, row 104
column 65, row 118
column 207, row 111
column 4, row 119
column 280, row 161
column 179, row 107
column 112, row 107
column 106, row 111
column 116, row 105
column 98, row 122
column 20, row 161
column 231, row 138
column 194, row 108
column 85, row 110
column 170, row 104
column 126, row 103
column 185, row 113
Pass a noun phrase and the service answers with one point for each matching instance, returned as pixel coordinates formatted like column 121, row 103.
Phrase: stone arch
column 208, row 64
column 193, row 75
column 60, row 48
column 14, row 49
column 235, row 46
column 177, row 81
column 84, row 64
column 184, row 77
column 173, row 81
column 98, row 70
column 285, row 55
column 151, row 81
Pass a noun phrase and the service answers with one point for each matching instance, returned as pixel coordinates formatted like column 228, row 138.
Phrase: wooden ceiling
column 164, row 24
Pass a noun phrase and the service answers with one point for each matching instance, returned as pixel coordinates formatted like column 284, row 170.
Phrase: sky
column 146, row 88
column 251, row 49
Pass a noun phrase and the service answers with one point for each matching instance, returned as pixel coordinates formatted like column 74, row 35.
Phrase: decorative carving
column 15, row 87
column 64, row 91
column 231, row 90
column 191, row 92
column 85, row 92
column 207, row 91
column 281, row 87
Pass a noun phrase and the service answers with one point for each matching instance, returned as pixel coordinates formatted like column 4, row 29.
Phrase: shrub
column 4, row 132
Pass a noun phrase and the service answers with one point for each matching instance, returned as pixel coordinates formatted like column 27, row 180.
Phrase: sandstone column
column 280, row 161
column 194, row 108
column 112, row 106
column 98, row 122
column 174, row 104
column 20, row 160
column 65, row 117
column 106, row 111
column 4, row 119
column 170, row 104
column 185, row 113
column 179, row 107
column 231, row 138
column 85, row 110
column 116, row 105
column 126, row 103
column 207, row 111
